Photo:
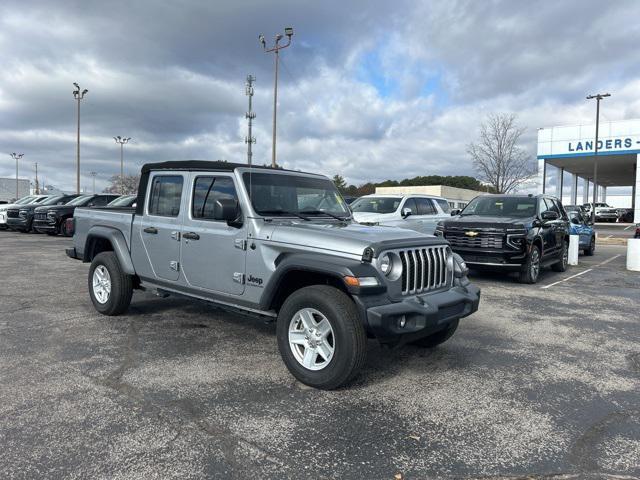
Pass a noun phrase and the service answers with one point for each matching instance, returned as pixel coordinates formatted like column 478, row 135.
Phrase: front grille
column 40, row 216
column 425, row 269
column 13, row 214
column 482, row 240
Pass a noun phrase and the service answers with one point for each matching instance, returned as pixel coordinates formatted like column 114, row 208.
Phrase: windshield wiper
column 318, row 212
column 282, row 212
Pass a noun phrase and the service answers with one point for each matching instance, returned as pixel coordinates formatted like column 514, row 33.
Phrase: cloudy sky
column 371, row 90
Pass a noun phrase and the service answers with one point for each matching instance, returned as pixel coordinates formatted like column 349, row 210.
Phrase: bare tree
column 496, row 156
column 127, row 185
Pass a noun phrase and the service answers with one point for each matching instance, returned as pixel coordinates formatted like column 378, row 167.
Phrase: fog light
column 402, row 322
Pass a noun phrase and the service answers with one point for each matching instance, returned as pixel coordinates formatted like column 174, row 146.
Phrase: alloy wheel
column 101, row 284
column 535, row 264
column 311, row 339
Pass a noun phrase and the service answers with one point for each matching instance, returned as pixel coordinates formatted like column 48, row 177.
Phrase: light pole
column 93, row 175
column 16, row 157
column 288, row 31
column 598, row 97
column 37, row 184
column 78, row 95
column 122, row 141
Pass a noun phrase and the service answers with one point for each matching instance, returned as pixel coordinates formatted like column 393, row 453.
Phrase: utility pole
column 93, row 175
column 16, row 157
column 37, row 184
column 288, row 31
column 78, row 95
column 250, row 115
column 122, row 141
column 598, row 97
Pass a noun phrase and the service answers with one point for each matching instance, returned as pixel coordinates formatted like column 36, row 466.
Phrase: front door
column 548, row 230
column 161, row 222
column 213, row 251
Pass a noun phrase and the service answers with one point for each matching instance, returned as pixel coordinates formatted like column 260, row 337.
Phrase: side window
column 542, row 206
column 101, row 200
column 444, row 205
column 560, row 209
column 166, row 191
column 411, row 205
column 425, row 207
column 206, row 190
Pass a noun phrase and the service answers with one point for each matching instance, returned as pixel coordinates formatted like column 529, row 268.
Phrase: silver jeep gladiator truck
column 279, row 245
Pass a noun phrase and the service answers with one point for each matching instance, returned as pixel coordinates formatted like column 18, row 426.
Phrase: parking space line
column 568, row 278
column 608, row 260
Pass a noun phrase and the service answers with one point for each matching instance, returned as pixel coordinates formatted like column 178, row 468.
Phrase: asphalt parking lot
column 544, row 380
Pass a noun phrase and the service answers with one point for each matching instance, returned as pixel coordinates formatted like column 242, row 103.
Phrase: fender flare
column 119, row 244
column 329, row 265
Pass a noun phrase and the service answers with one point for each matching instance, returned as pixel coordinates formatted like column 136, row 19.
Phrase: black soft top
column 188, row 165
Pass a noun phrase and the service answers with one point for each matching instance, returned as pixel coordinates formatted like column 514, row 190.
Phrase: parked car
column 21, row 216
column 576, row 208
column 4, row 209
column 604, row 212
column 52, row 219
column 582, row 226
column 236, row 236
column 125, row 201
column 625, row 215
column 415, row 212
column 521, row 233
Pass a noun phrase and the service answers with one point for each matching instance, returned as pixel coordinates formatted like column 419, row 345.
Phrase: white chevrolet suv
column 415, row 212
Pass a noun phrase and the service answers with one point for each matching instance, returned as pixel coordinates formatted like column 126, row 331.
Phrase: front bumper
column 45, row 225
column 20, row 223
column 421, row 315
column 503, row 260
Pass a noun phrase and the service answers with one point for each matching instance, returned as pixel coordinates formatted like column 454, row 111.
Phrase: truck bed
column 120, row 218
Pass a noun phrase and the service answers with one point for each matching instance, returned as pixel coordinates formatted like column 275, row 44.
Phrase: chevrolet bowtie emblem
column 471, row 234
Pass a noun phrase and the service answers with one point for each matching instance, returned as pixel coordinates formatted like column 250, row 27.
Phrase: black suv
column 511, row 232
column 22, row 216
column 52, row 220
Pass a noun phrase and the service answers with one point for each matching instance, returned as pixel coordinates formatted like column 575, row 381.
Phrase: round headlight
column 386, row 264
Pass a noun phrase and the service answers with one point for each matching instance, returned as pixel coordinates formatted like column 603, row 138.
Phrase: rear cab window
column 165, row 196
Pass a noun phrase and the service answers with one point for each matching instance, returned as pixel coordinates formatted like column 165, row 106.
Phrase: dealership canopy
column 572, row 150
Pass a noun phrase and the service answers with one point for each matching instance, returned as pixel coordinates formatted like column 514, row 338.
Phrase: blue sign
column 603, row 145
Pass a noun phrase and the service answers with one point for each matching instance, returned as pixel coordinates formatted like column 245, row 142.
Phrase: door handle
column 191, row 236
column 153, row 230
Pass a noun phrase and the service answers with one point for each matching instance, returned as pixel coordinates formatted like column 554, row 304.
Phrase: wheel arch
column 105, row 239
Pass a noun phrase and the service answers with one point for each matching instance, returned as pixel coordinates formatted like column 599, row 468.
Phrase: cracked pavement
column 538, row 383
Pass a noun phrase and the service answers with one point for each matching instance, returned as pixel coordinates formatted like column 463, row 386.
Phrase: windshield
column 24, row 200
column 39, row 200
column 80, row 200
column 53, row 200
column 276, row 194
column 124, row 201
column 376, row 204
column 490, row 206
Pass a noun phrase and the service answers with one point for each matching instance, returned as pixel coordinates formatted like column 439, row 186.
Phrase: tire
column 437, row 338
column 120, row 285
column 563, row 263
column 312, row 306
column 531, row 269
column 63, row 228
column 592, row 247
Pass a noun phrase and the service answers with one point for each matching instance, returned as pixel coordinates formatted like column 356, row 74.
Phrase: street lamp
column 598, row 97
column 93, row 175
column 78, row 95
column 122, row 141
column 276, row 49
column 16, row 157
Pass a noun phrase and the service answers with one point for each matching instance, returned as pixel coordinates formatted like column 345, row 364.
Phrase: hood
column 58, row 208
column 7, row 206
column 371, row 217
column 350, row 238
column 481, row 221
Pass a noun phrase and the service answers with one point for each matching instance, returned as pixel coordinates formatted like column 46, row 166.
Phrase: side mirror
column 406, row 212
column 225, row 209
column 455, row 212
column 550, row 215
column 90, row 204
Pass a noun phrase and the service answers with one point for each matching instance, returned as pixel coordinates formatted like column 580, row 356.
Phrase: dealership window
column 166, row 191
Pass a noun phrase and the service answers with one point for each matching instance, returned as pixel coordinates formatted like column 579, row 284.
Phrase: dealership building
column 566, row 161
column 8, row 189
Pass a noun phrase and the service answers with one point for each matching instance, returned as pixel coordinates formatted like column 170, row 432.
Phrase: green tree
column 340, row 183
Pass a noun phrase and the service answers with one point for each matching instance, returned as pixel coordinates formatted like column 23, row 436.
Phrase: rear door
column 213, row 251
column 161, row 223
